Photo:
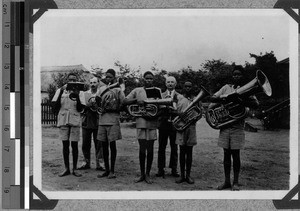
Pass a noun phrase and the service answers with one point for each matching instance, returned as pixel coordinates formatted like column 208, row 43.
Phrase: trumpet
column 149, row 109
column 231, row 112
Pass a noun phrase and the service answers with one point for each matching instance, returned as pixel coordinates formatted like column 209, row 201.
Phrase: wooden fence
column 48, row 117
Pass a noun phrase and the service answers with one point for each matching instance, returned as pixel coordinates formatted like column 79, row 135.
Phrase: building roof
column 47, row 71
column 284, row 61
column 64, row 69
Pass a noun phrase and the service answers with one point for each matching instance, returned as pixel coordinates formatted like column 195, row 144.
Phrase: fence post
column 47, row 116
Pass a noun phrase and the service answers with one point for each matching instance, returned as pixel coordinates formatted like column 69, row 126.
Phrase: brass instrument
column 269, row 116
column 224, row 114
column 94, row 105
column 74, row 87
column 174, row 105
column 192, row 113
column 149, row 109
column 100, row 102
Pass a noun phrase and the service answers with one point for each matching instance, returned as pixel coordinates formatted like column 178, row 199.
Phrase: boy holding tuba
column 232, row 137
column 146, row 129
column 109, row 130
column 186, row 139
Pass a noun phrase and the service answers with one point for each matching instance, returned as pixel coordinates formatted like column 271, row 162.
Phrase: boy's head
column 148, row 77
column 72, row 77
column 187, row 87
column 238, row 74
column 110, row 76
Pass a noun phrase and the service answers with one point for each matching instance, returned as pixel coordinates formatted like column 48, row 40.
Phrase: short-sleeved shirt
column 224, row 91
column 68, row 114
column 140, row 94
column 188, row 136
column 90, row 118
column 111, row 114
column 233, row 135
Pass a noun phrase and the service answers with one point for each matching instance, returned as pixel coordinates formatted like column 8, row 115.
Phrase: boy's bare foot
column 148, row 179
column 140, row 179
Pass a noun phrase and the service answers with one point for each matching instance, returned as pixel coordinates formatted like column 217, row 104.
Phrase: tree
column 159, row 79
column 268, row 64
column 132, row 77
column 216, row 73
column 97, row 71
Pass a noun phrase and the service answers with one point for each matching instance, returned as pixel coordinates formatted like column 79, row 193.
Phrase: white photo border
column 209, row 194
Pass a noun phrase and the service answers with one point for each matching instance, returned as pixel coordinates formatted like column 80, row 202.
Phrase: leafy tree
column 268, row 64
column 159, row 79
column 132, row 77
column 97, row 71
column 216, row 73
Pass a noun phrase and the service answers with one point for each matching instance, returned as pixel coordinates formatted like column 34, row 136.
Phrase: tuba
column 192, row 113
column 149, row 109
column 101, row 104
column 231, row 112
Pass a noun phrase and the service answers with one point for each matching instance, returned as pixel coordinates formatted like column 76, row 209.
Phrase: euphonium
column 231, row 112
column 192, row 113
column 149, row 109
column 99, row 99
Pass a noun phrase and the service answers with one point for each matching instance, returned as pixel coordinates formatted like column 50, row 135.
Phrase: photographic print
column 221, row 122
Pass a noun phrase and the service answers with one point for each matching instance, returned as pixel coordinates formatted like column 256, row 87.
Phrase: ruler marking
column 23, row 163
column 17, row 162
column 6, row 21
column 12, row 160
column 12, row 115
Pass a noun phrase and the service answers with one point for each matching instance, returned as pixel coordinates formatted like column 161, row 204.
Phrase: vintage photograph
column 165, row 100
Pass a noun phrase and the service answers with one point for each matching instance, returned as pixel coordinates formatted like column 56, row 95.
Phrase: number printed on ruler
column 6, row 70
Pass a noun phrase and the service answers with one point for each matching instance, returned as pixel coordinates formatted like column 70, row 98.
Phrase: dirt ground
column 265, row 163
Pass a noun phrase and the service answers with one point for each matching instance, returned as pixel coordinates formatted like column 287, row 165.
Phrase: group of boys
column 104, row 126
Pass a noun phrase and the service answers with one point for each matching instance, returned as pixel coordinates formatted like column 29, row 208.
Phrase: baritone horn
column 149, row 109
column 101, row 103
column 192, row 113
column 225, row 114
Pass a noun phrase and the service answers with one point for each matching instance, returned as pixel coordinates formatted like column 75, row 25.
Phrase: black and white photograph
column 165, row 104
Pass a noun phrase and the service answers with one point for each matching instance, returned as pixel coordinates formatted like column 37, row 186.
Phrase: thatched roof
column 47, row 71
column 64, row 69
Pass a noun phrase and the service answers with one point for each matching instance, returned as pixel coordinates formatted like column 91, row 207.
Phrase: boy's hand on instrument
column 234, row 97
column 140, row 102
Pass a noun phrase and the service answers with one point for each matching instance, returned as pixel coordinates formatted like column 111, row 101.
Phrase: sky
column 171, row 39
